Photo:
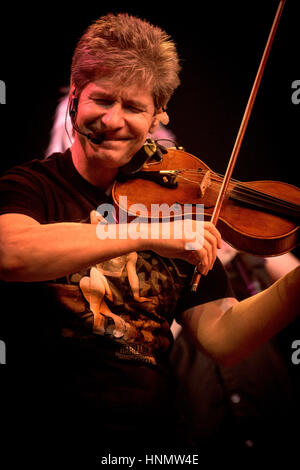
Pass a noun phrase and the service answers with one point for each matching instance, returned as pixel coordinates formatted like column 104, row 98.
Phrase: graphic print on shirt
column 95, row 289
column 129, row 299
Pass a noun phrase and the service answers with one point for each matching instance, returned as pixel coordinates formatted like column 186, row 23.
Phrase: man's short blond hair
column 129, row 50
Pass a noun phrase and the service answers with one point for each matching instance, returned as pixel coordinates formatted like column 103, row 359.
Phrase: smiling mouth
column 102, row 138
column 113, row 141
column 108, row 139
column 114, row 138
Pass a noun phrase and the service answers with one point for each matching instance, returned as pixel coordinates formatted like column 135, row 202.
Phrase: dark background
column 220, row 45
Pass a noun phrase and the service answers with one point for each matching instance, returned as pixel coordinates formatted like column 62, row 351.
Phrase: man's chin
column 110, row 159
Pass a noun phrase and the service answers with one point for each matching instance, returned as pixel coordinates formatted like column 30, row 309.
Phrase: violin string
column 264, row 200
column 269, row 204
column 258, row 199
column 243, row 189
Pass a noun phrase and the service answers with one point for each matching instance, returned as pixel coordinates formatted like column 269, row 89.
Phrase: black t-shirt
column 117, row 352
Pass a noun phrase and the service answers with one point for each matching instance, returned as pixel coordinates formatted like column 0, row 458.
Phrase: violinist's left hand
column 194, row 242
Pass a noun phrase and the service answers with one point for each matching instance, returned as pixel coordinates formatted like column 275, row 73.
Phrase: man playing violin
column 98, row 311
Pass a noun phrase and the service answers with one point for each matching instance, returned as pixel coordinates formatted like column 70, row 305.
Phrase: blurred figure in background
column 252, row 406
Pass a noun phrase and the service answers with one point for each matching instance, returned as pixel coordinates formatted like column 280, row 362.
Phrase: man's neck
column 90, row 170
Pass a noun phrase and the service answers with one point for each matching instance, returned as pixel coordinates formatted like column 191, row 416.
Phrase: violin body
column 258, row 217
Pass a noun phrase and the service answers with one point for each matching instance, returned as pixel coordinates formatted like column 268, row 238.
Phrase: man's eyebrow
column 102, row 94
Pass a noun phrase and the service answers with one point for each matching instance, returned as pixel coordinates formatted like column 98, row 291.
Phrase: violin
column 257, row 217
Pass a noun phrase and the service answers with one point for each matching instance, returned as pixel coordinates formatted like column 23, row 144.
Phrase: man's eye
column 132, row 108
column 102, row 102
column 135, row 109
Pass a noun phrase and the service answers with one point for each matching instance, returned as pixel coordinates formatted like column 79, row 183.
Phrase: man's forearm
column 229, row 331
column 248, row 324
column 33, row 252
column 44, row 252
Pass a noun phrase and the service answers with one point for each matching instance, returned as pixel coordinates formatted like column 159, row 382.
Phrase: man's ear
column 160, row 117
column 163, row 117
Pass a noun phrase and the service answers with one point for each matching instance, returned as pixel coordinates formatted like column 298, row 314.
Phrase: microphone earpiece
column 73, row 108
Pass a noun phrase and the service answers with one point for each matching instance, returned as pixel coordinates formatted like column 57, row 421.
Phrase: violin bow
column 242, row 130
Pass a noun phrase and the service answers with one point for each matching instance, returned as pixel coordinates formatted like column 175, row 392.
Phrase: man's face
column 123, row 116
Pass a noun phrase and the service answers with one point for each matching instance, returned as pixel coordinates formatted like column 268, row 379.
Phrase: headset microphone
column 95, row 140
column 73, row 113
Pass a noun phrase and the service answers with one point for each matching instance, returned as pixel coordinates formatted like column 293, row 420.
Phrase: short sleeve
column 215, row 285
column 21, row 193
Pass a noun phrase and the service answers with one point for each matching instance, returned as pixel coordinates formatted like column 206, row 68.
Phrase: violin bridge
column 205, row 183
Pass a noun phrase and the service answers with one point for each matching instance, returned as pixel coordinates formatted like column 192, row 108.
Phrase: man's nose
column 113, row 117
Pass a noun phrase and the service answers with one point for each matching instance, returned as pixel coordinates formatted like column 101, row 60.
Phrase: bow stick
column 242, row 130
